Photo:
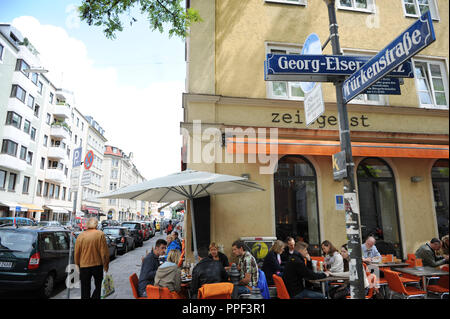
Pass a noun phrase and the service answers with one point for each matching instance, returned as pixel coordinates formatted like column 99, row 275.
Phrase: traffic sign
column 414, row 39
column 314, row 105
column 89, row 160
column 311, row 46
column 321, row 68
column 86, row 178
column 76, row 161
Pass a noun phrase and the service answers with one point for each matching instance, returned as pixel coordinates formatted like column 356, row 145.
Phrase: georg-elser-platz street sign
column 418, row 36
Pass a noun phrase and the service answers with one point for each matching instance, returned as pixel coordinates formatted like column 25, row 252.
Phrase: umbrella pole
column 191, row 200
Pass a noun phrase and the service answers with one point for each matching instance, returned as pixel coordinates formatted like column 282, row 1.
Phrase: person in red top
column 169, row 228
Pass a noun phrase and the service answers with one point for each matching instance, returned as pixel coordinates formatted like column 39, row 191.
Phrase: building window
column 23, row 153
column 45, row 140
column 51, row 98
column 440, row 177
column 46, row 189
column 63, row 195
column 30, row 101
column 357, row 5
column 2, row 179
column 34, row 78
column 39, row 188
column 30, row 158
column 76, row 139
column 12, row 182
column 42, row 163
column 36, row 110
column 26, row 184
column 40, row 86
column 57, row 191
column 432, row 83
column 298, row 2
column 296, row 205
column 33, row 134
column 21, row 65
column 14, row 119
column 2, row 49
column 284, row 89
column 416, row 8
column 51, row 191
column 9, row 147
column 378, row 203
column 18, row 92
column 48, row 119
column 26, row 126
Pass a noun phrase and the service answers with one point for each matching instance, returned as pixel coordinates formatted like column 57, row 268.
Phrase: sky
column 132, row 85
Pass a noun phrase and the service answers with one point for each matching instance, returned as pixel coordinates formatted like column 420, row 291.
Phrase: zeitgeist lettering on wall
column 418, row 36
column 322, row 121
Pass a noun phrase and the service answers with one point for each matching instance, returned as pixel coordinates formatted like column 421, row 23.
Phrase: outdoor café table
column 422, row 272
column 390, row 264
column 328, row 279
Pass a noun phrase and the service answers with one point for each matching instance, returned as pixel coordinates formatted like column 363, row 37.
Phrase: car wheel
column 47, row 288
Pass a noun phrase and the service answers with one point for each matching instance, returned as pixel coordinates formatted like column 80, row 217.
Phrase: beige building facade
column 400, row 142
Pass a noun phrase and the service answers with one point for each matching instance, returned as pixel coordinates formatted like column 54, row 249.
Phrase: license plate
column 119, row 245
column 5, row 264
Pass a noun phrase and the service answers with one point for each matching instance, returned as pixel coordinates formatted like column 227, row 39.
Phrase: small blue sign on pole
column 77, row 157
column 385, row 86
column 418, row 36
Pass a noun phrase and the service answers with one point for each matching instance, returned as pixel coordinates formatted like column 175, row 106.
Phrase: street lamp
column 352, row 216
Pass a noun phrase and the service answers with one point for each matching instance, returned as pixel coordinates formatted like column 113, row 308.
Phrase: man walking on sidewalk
column 92, row 257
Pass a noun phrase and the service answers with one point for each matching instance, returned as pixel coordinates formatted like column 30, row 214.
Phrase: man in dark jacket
column 150, row 266
column 296, row 270
column 427, row 252
column 207, row 271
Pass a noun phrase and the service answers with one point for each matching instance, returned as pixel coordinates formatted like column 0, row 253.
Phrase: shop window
column 284, row 89
column 415, row 8
column 439, row 176
column 357, row 5
column 378, row 205
column 296, row 205
column 431, row 83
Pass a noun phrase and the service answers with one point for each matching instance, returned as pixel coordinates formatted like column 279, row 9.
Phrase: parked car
column 21, row 221
column 33, row 258
column 136, row 230
column 109, row 222
column 150, row 228
column 112, row 246
column 121, row 236
column 49, row 223
column 145, row 230
column 81, row 222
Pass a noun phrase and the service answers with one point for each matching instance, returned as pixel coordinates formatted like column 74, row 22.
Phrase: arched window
column 296, row 210
column 439, row 176
column 378, row 205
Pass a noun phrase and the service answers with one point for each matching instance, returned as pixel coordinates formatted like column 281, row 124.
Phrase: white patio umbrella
column 187, row 184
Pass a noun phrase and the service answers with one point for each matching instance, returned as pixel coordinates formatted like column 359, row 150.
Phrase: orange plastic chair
column 396, row 285
column 154, row 292
column 441, row 288
column 180, row 262
column 134, row 281
column 221, row 290
column 282, row 292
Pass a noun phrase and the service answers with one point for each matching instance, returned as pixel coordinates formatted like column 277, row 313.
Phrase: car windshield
column 111, row 231
column 11, row 240
column 131, row 226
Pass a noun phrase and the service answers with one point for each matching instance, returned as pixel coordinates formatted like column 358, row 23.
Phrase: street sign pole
column 352, row 218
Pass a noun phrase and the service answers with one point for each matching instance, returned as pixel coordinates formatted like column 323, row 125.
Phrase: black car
column 33, row 258
column 121, row 236
column 109, row 222
column 112, row 246
column 136, row 231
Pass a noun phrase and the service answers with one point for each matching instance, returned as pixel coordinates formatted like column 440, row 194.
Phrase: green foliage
column 108, row 14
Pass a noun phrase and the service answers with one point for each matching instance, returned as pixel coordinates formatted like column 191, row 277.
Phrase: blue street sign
column 385, row 86
column 76, row 157
column 320, row 68
column 418, row 36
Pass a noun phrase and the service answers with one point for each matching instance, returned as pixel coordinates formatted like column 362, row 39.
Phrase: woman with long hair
column 333, row 259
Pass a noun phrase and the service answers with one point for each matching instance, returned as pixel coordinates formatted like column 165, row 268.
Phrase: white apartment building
column 40, row 128
column 119, row 171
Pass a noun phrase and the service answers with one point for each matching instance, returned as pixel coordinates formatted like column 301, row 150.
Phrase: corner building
column 402, row 170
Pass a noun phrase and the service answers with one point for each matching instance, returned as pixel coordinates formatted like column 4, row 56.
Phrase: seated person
column 215, row 254
column 247, row 267
column 427, row 252
column 370, row 252
column 169, row 274
column 272, row 262
column 207, row 271
column 175, row 234
column 288, row 250
column 150, row 265
column 296, row 271
column 333, row 259
column 171, row 244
